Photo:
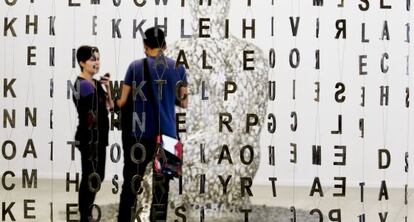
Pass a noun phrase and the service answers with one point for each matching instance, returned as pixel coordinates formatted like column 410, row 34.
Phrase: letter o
column 294, row 64
column 11, row 3
column 144, row 153
column 272, row 58
column 118, row 152
column 116, row 2
column 140, row 4
column 92, row 176
column 250, row 148
column 3, row 150
column 98, row 209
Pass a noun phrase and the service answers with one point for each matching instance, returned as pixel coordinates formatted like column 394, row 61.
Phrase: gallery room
column 206, row 110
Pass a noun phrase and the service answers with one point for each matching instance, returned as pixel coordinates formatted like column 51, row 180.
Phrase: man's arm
column 124, row 95
column 109, row 102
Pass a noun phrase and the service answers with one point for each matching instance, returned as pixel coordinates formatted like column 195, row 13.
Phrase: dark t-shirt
column 159, row 114
column 93, row 125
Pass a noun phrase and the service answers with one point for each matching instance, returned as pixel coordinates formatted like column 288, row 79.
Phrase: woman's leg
column 86, row 197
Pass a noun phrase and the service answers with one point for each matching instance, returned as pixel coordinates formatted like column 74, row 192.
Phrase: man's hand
column 181, row 94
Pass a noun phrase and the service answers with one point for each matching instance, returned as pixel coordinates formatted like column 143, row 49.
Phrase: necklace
column 87, row 78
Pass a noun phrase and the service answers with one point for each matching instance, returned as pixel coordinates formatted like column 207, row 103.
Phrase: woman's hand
column 105, row 81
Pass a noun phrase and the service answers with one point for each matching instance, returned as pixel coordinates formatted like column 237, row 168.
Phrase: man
column 156, row 85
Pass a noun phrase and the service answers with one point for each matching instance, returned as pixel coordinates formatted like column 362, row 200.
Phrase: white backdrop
column 386, row 127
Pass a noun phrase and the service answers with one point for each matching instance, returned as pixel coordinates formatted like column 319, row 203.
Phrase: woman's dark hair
column 154, row 38
column 84, row 53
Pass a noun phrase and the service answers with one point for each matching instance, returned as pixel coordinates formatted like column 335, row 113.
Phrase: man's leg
column 160, row 189
column 136, row 171
column 127, row 198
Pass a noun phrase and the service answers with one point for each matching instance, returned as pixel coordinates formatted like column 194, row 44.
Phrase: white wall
column 385, row 126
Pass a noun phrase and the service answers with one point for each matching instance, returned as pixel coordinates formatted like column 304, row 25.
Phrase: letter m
column 29, row 182
column 317, row 2
column 157, row 2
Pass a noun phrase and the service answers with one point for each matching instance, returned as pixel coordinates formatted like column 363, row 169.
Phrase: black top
column 93, row 125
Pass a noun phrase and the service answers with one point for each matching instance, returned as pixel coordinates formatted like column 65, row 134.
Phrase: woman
column 91, row 103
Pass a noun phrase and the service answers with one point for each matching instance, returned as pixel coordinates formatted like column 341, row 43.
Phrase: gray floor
column 299, row 197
